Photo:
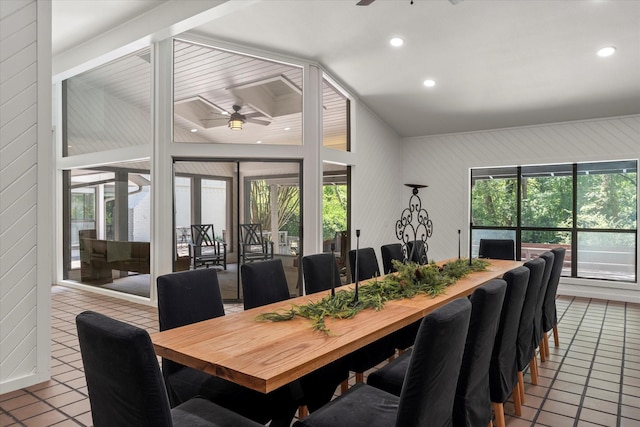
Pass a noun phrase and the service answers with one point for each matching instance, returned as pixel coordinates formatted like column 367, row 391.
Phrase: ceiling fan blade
column 364, row 2
column 212, row 123
column 258, row 122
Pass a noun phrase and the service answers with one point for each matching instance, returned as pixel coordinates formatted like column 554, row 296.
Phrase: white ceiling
column 496, row 63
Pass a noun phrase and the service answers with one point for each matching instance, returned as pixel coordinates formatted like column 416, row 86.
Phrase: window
column 212, row 84
column 335, row 118
column 107, row 228
column 108, row 107
column 589, row 208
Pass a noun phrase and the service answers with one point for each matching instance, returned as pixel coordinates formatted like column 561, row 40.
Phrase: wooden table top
column 266, row 355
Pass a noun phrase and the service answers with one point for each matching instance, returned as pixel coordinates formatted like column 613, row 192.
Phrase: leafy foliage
column 412, row 279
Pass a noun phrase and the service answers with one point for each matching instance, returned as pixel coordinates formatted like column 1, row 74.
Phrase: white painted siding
column 444, row 161
column 24, row 337
column 378, row 194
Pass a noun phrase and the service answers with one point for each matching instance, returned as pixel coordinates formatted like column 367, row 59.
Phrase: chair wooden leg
column 521, row 385
column 543, row 356
column 302, row 411
column 517, row 400
column 533, row 368
column 490, row 424
column 359, row 377
column 556, row 340
column 344, row 386
column 545, row 340
column 498, row 411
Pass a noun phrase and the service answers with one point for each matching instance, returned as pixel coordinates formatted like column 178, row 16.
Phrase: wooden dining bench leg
column 359, row 377
column 344, row 386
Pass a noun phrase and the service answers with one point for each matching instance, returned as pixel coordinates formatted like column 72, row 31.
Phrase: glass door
column 215, row 201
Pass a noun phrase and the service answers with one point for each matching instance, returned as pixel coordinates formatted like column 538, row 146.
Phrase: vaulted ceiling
column 495, row 63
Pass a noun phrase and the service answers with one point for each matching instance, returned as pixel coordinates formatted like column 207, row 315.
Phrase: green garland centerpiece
column 411, row 279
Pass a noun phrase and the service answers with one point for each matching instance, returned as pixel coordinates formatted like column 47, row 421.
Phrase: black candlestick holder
column 356, row 298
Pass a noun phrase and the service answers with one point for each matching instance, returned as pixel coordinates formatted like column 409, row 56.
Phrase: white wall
column 444, row 161
column 25, row 203
column 378, row 194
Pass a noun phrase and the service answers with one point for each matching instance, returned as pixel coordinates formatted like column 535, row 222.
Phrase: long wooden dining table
column 266, row 355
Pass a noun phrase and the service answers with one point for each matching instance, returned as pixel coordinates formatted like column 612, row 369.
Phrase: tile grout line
column 624, row 346
column 591, row 365
column 558, row 370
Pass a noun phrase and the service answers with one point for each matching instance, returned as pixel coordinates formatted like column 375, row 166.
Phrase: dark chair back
column 525, row 348
column 389, row 253
column 430, row 383
column 472, row 405
column 320, row 272
column 184, row 298
column 538, row 331
column 263, row 283
column 549, row 316
column 497, row 249
column 123, row 377
column 367, row 264
column 503, row 367
column 417, row 252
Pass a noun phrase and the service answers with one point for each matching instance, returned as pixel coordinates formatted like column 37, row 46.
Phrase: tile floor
column 592, row 379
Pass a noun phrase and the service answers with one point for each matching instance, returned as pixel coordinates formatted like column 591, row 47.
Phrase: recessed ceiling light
column 194, row 130
column 396, row 42
column 258, row 142
column 287, row 128
column 606, row 51
column 429, row 83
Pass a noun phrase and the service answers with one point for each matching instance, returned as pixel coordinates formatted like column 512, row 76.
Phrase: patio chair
column 204, row 249
column 252, row 245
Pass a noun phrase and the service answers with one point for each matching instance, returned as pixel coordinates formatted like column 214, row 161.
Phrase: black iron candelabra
column 414, row 232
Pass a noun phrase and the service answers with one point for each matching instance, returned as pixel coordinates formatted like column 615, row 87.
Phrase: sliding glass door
column 227, row 198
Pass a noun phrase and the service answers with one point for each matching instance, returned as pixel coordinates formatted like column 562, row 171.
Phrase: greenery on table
column 412, row 279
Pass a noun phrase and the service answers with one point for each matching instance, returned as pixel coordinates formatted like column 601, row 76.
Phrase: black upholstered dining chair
column 503, row 369
column 525, row 350
column 549, row 313
column 320, row 272
column 417, row 252
column 472, row 404
column 429, row 388
column 193, row 296
column 265, row 283
column 497, row 249
column 538, row 327
column 367, row 264
column 405, row 337
column 384, row 348
column 125, row 385
column 390, row 252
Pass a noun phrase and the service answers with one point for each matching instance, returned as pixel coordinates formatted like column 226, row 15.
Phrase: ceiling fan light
column 236, row 119
column 235, row 124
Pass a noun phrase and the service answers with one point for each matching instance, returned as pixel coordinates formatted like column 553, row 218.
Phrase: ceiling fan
column 368, row 2
column 235, row 120
column 203, row 112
